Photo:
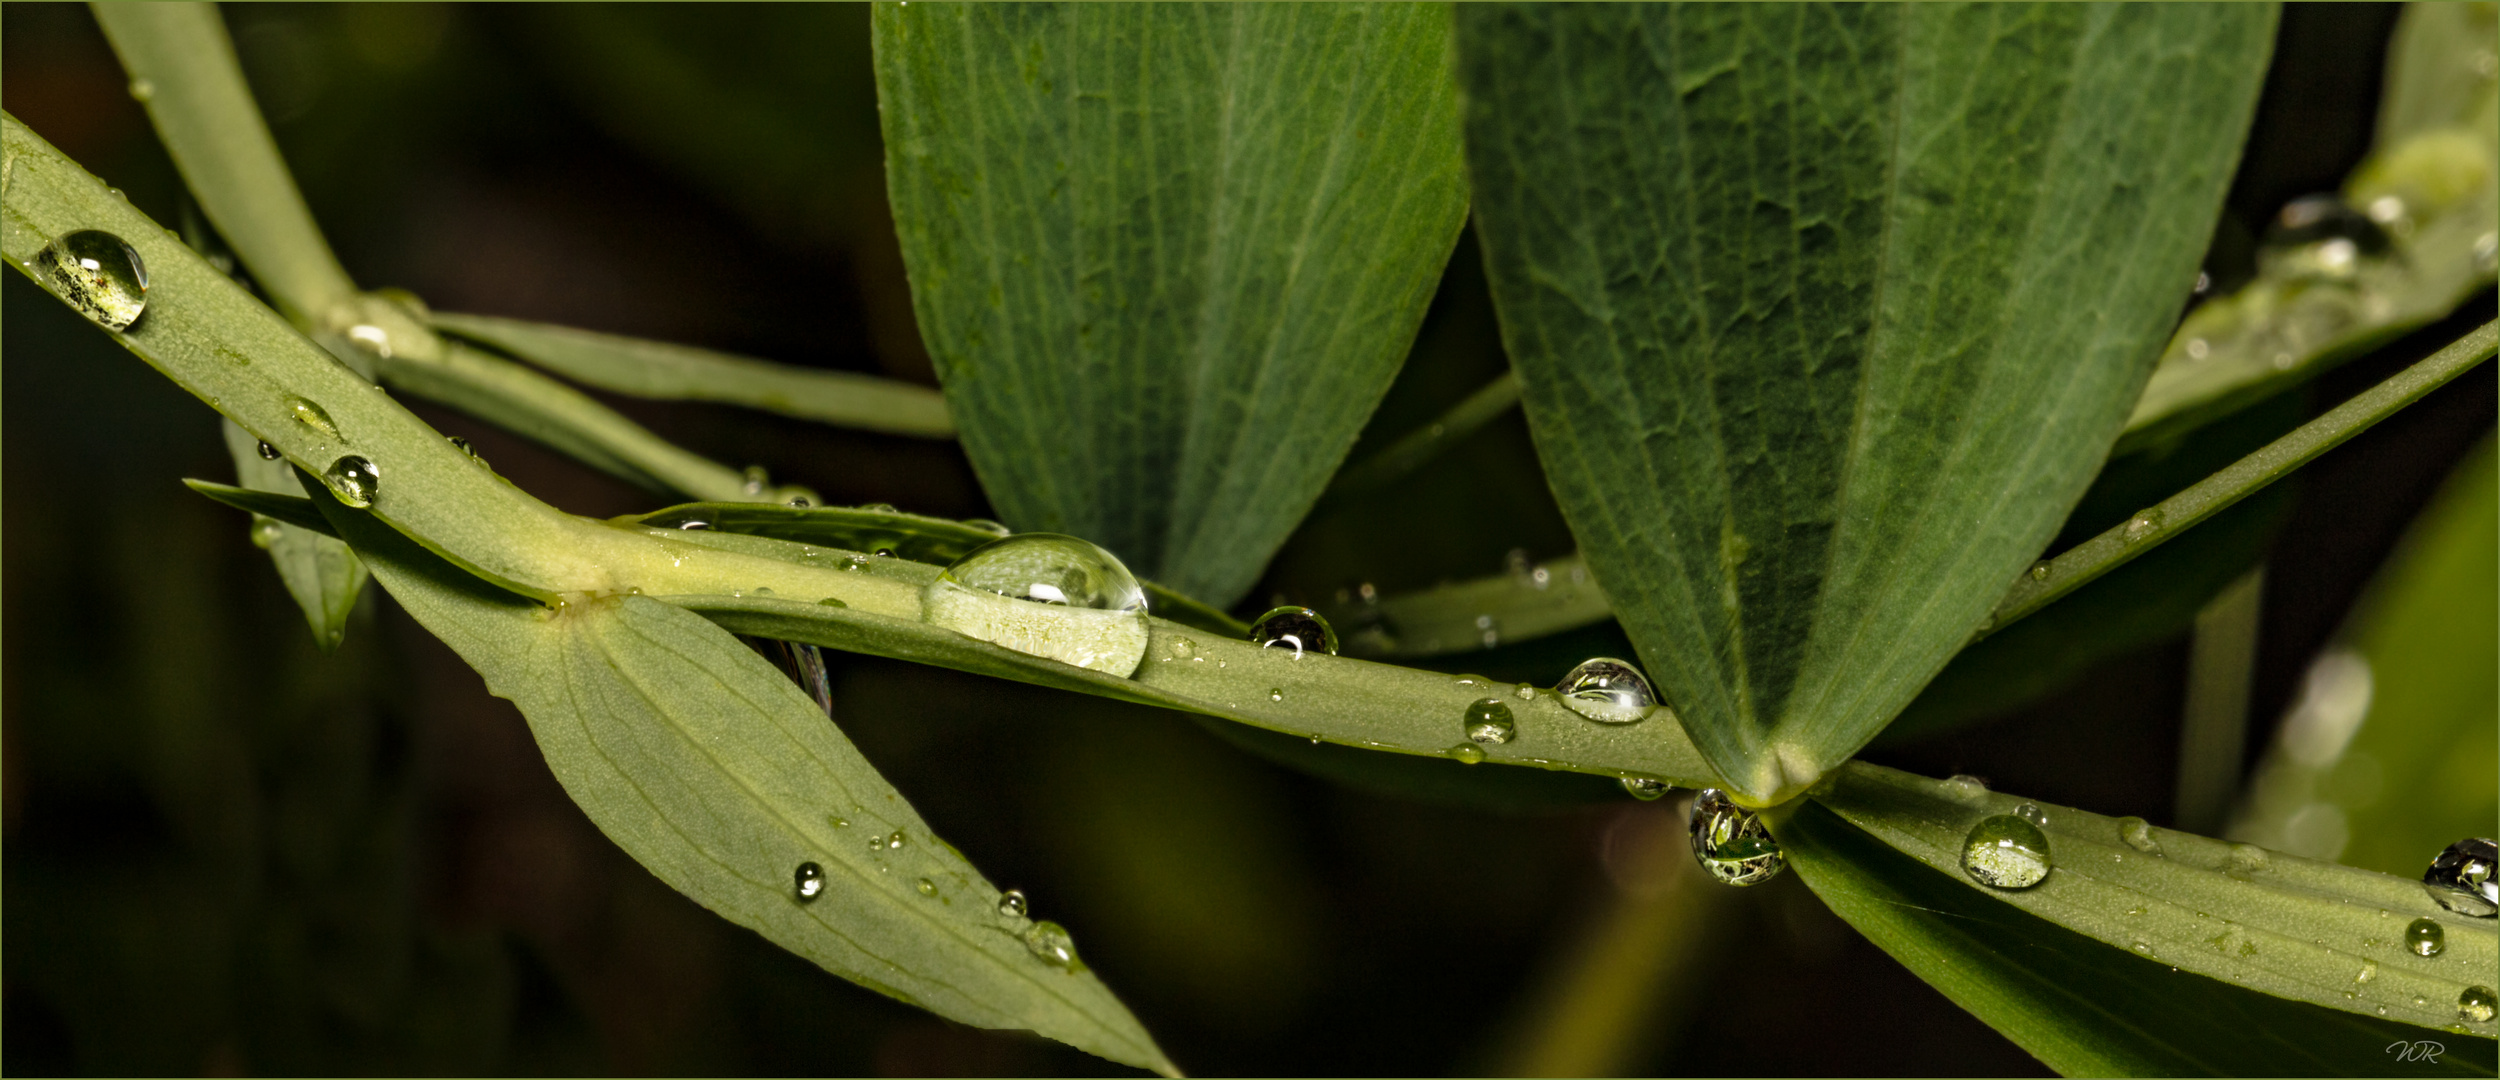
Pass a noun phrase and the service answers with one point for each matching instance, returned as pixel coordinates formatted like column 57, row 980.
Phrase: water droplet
column 1644, row 788
column 694, row 526
column 1607, row 690
column 2032, row 813
column 895, row 841
column 810, row 882
column 2460, row 878
column 2138, row 834
column 2425, row 937
column 2006, row 852
column 1525, row 692
column 142, row 91
column 97, row 274
column 1182, row 648
column 1488, row 721
column 266, row 532
column 877, row 508
column 986, row 525
column 2142, row 525
column 840, row 822
column 1051, row 942
column 756, row 479
column 1966, row 789
column 2040, row 570
column 876, row 845
column 315, row 417
column 1011, row 904
column 1277, row 694
column 2318, row 237
column 1466, row 754
column 1298, row 627
column 372, row 339
column 832, row 601
column 1045, row 595
column 926, row 887
column 1731, row 842
column 2369, row 971
column 2247, row 859
column 800, row 502
column 268, row 452
column 354, row 480
column 2477, row 1005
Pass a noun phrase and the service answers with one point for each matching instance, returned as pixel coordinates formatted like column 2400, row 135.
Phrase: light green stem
column 1421, row 445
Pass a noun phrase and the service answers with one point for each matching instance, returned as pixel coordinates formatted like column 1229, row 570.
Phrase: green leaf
column 1167, row 258
column 2385, row 759
column 653, row 369
column 2295, row 928
column 320, row 573
column 1793, row 293
column 721, row 777
column 2083, row 1007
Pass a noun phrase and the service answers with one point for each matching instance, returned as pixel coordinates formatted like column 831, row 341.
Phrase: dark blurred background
column 226, row 853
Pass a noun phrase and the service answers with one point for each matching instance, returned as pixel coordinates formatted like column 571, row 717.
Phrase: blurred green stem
column 1421, row 445
column 2214, row 729
column 2149, row 528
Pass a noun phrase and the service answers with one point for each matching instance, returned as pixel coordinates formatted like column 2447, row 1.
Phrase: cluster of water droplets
column 1045, row 595
column 99, row 274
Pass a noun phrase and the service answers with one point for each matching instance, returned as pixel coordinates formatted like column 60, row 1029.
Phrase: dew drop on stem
column 354, row 480
column 2460, row 878
column 1296, row 628
column 99, row 274
column 1731, row 842
column 1045, row 595
column 1607, row 691
column 2006, row 852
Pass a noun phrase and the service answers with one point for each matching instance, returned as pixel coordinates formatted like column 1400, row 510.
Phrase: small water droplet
column 2319, row 238
column 1276, row 694
column 266, row 532
column 2460, row 878
column 877, row 508
column 2006, row 852
column 315, row 417
column 1298, row 628
column 1045, row 595
column 268, row 452
column 926, row 887
column 876, row 845
column 2040, row 570
column 1525, row 692
column 372, row 339
column 832, row 601
column 2247, row 859
column 840, row 822
column 896, row 841
column 98, row 274
column 1466, row 754
column 2142, row 525
column 1731, row 841
column 1644, row 788
column 2138, row 834
column 809, row 881
column 1966, row 789
column 2032, row 813
column 2477, row 1005
column 2369, row 971
column 354, row 480
column 1488, row 721
column 1011, row 904
column 1607, row 690
column 2425, row 937
column 1051, row 942
column 142, row 91
column 756, row 480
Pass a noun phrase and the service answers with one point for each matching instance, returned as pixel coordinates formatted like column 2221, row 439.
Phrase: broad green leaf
column 320, row 573
column 2083, row 1007
column 1167, row 258
column 655, row 369
column 1825, row 316
column 721, row 777
column 2295, row 928
column 2386, row 757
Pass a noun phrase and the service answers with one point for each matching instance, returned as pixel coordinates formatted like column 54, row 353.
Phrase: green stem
column 182, row 67
column 1421, row 445
column 2149, row 528
column 2213, row 733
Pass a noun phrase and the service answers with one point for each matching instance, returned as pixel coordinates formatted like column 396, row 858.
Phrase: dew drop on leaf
column 1052, row 943
column 268, row 452
column 2006, row 852
column 2032, row 813
column 1607, row 690
column 808, row 882
column 926, row 887
column 1731, row 841
column 266, row 532
column 1645, row 788
column 2425, row 937
column 354, row 480
column 1298, row 628
column 1044, row 595
column 315, row 417
column 1011, row 904
column 98, row 274
column 1489, row 721
column 2138, row 834
column 1466, row 754
column 2319, row 238
column 2460, row 878
column 2477, row 1005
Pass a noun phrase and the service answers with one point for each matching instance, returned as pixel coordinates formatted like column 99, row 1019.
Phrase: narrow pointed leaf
column 1167, row 258
column 2083, row 1007
column 320, row 573
column 1825, row 316
column 721, row 777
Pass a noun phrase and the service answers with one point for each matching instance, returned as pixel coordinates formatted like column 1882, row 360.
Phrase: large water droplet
column 2425, row 937
column 2319, row 238
column 1645, row 788
column 2006, row 852
column 1011, row 904
column 97, row 274
column 1488, row 721
column 2477, row 1005
column 1046, row 595
column 809, row 882
column 1607, row 690
column 1296, row 627
column 2460, row 878
column 1051, row 942
column 2138, row 834
column 354, row 480
column 315, row 417
column 1731, row 841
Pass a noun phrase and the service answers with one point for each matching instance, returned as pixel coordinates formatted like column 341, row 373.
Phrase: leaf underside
column 1167, row 258
column 1827, row 315
column 319, row 572
column 718, row 774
